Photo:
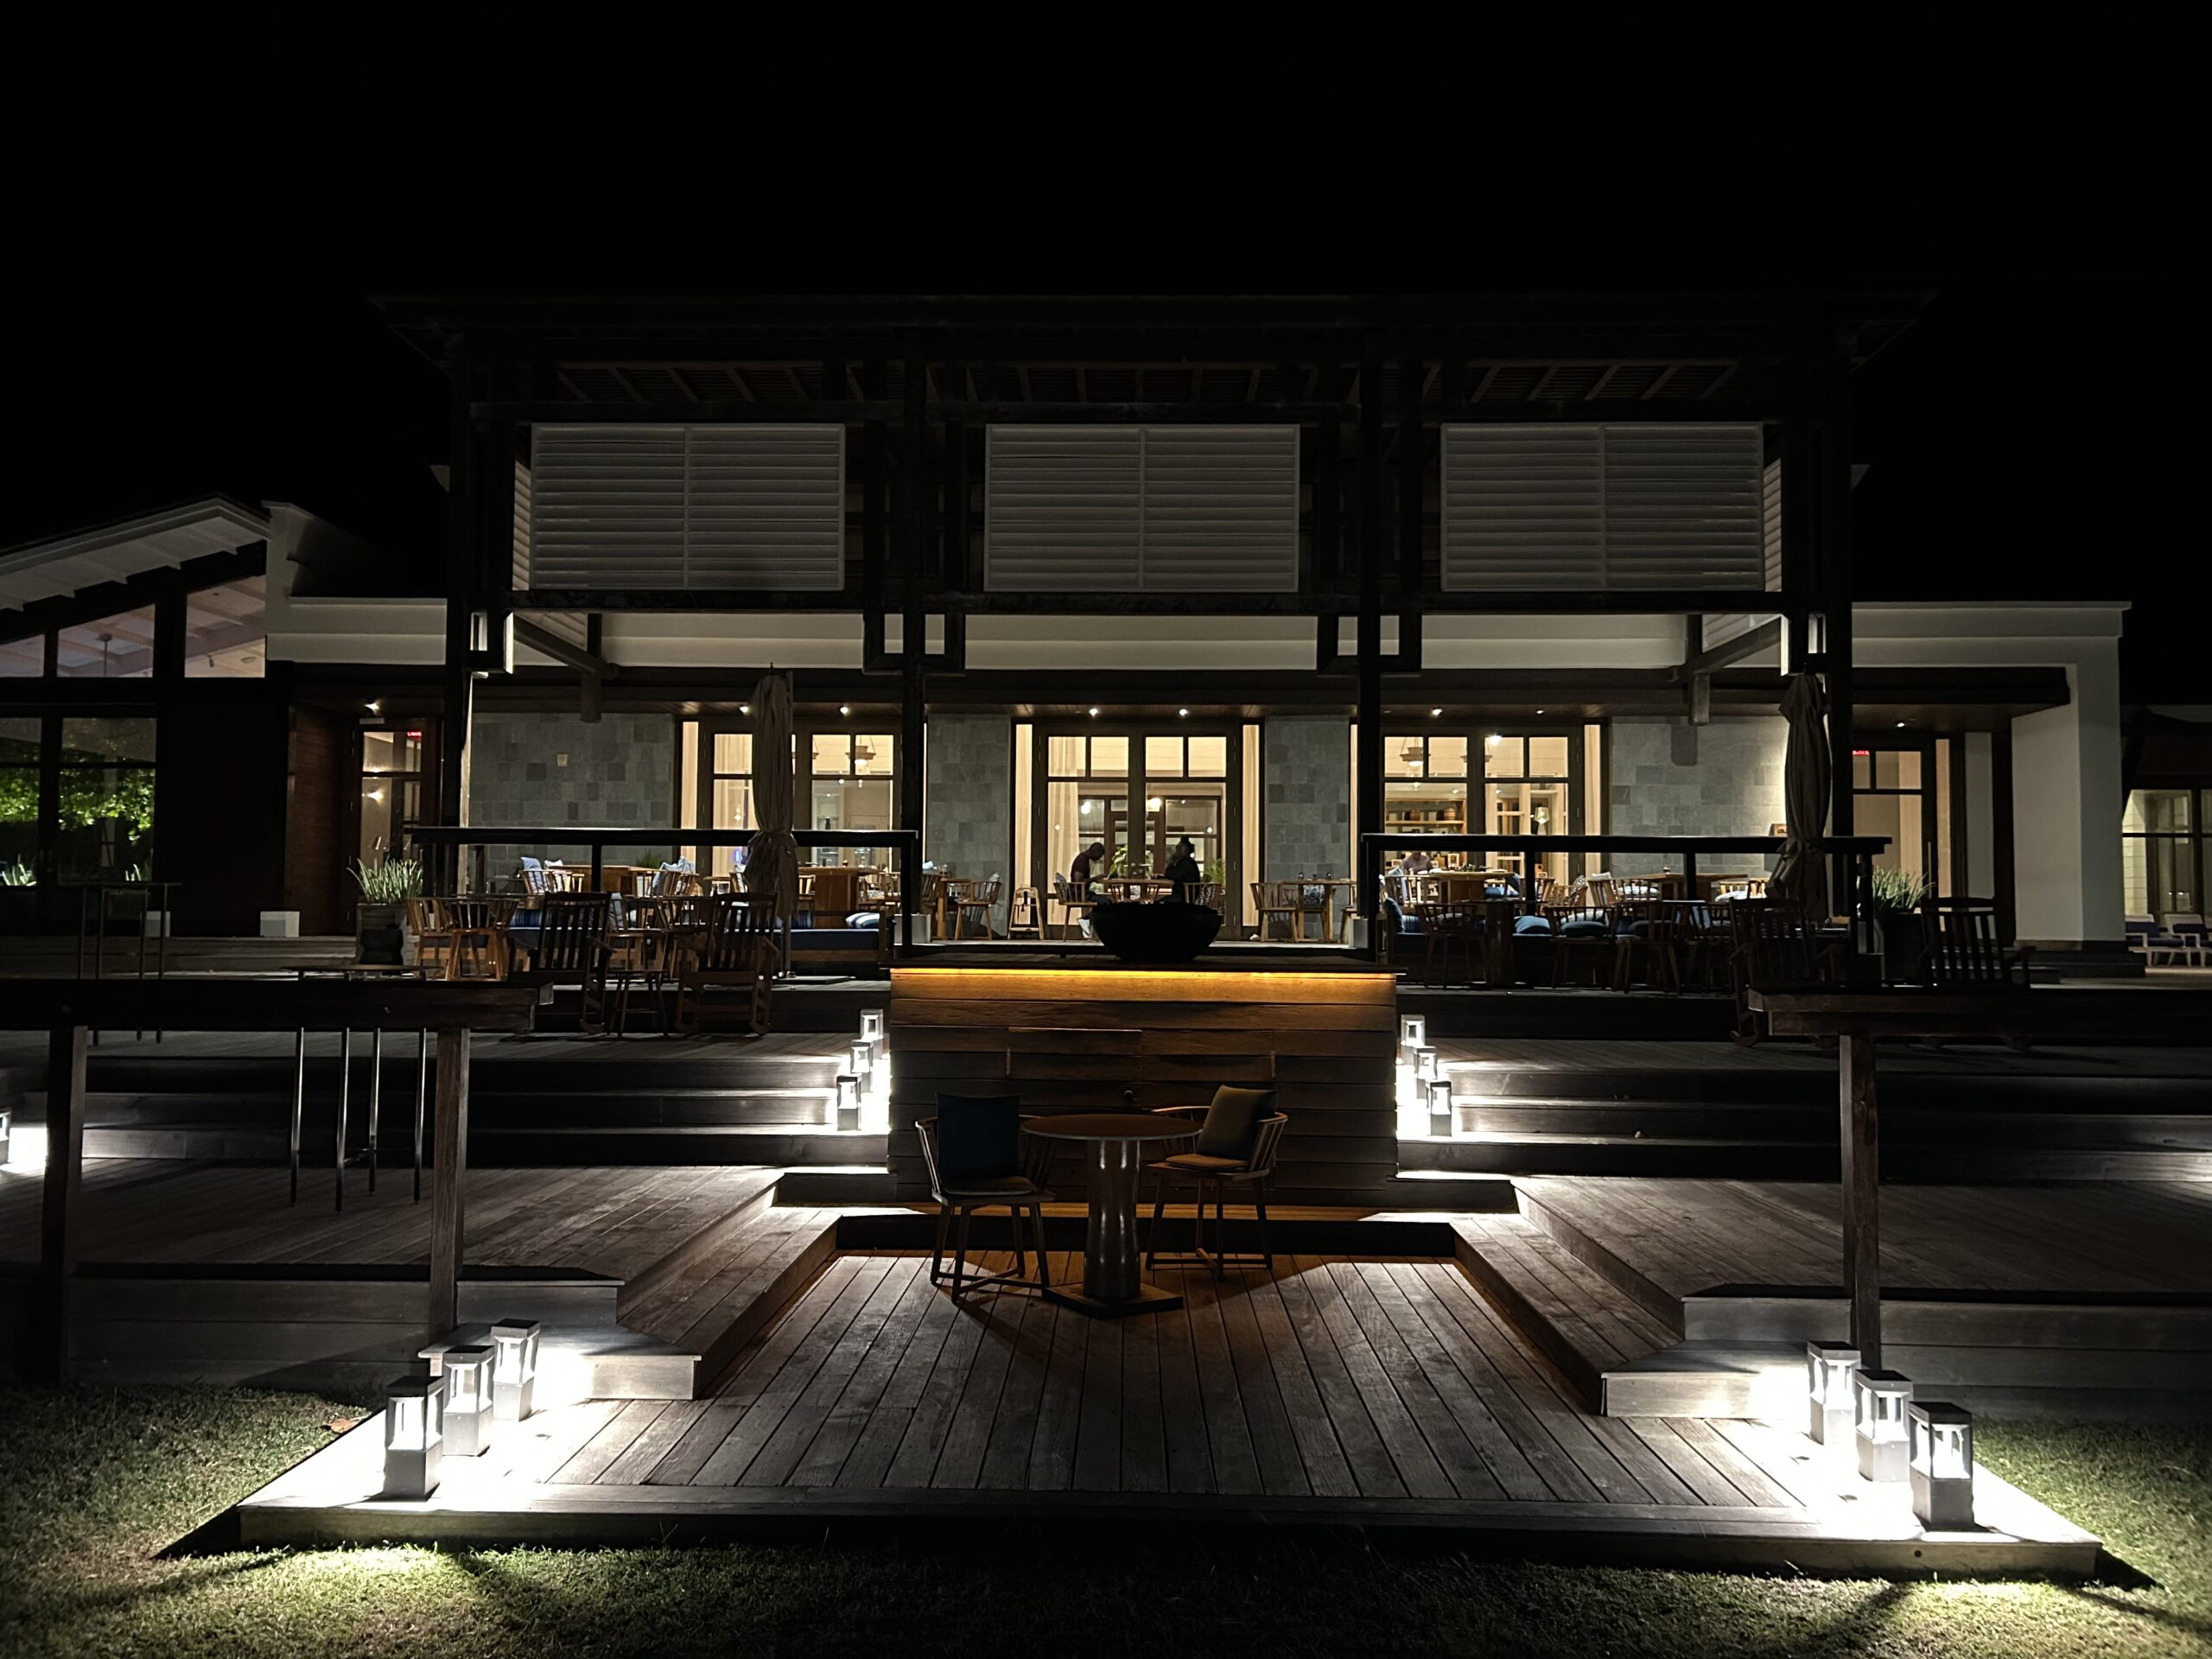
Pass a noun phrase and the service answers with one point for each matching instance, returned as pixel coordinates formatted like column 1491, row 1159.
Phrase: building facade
column 1269, row 573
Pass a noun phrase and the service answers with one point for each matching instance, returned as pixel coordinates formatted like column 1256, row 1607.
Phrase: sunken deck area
column 1388, row 1396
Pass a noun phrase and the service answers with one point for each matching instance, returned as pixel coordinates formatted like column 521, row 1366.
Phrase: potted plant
column 1897, row 896
column 381, row 919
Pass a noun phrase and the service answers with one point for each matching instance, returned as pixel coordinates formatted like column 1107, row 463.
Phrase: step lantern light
column 7, row 1128
column 1425, row 1068
column 469, row 1373
column 1879, row 1400
column 1941, row 1457
column 1413, row 1032
column 414, row 1436
column 849, row 1101
column 860, row 1058
column 514, row 1380
column 1441, row 1116
column 1828, row 1367
column 871, row 1025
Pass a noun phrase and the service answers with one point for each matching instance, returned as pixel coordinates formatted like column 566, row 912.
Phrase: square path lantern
column 1828, row 1369
column 871, row 1025
column 1441, row 1118
column 469, row 1373
column 860, row 1058
column 1940, row 1439
column 1878, row 1400
column 514, row 1378
column 1427, row 1068
column 7, row 1128
column 849, row 1101
column 1413, row 1033
column 414, row 1436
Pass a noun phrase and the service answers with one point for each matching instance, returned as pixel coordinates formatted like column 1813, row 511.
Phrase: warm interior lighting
column 1184, row 713
column 1433, row 713
column 373, row 706
column 1094, row 714
column 844, row 708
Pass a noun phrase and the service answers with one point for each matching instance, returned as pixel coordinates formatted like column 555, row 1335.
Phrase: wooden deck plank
column 1367, row 1459
column 1228, row 1435
column 1328, row 1471
column 1366, row 1287
column 1417, row 1466
column 784, row 1449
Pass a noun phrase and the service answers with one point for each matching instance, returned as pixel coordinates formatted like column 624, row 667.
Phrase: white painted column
column 2066, row 805
column 1978, row 820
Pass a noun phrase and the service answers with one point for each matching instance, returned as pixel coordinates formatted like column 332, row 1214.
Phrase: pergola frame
column 1367, row 379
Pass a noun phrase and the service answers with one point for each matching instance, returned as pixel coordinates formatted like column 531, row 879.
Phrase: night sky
column 2017, row 437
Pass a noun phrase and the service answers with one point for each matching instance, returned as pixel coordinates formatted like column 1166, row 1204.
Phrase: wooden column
column 449, row 1175
column 65, row 1164
column 913, row 554
column 457, row 708
column 1372, row 549
column 1861, row 1191
column 1832, row 499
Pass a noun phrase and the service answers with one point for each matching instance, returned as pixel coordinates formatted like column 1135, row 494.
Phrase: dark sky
column 2018, row 438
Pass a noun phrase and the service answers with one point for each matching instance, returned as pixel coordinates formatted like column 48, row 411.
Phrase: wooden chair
column 1449, row 925
column 572, row 944
column 1586, row 943
column 1276, row 901
column 1216, row 1176
column 1773, row 946
column 731, row 946
column 476, row 927
column 433, row 942
column 1021, row 1190
column 1025, row 915
column 971, row 911
column 1651, row 928
column 1210, row 896
column 1966, row 950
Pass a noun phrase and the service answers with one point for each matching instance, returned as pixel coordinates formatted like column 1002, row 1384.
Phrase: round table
column 1111, row 1285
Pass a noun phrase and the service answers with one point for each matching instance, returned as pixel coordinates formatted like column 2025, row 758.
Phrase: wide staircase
column 1947, row 1116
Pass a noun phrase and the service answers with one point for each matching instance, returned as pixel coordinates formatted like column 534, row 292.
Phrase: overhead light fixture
column 1539, row 711
column 1433, row 713
column 844, row 707
column 1900, row 725
column 744, row 707
column 1184, row 712
column 1094, row 714
column 373, row 706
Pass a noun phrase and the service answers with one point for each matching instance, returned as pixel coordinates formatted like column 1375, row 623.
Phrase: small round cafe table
column 1111, row 1285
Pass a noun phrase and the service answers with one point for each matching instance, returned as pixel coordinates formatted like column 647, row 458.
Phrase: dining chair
column 1580, row 932
column 572, row 945
column 1276, row 901
column 1648, row 928
column 1238, row 1135
column 1449, row 925
column 973, row 909
column 1025, row 915
column 977, row 1158
column 731, row 946
column 433, row 942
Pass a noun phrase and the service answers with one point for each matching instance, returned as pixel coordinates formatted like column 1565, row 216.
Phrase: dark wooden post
column 64, row 1165
column 1832, row 499
column 458, row 705
column 913, row 553
column 1861, row 1193
column 1372, row 547
column 449, row 1175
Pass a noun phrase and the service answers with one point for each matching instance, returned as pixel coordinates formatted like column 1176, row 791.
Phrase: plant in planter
column 1897, row 897
column 380, row 920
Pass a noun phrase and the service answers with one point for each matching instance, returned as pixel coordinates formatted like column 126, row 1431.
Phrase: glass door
column 1893, row 795
column 1138, row 793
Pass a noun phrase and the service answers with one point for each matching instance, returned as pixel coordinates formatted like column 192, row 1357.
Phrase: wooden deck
column 1378, row 1393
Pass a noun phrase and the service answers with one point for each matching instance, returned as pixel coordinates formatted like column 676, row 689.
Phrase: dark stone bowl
column 1169, row 931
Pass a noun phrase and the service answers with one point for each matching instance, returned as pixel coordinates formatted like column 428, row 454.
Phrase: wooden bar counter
column 1070, row 1036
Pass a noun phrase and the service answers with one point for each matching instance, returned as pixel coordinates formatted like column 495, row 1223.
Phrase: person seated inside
column 1082, row 877
column 1183, row 870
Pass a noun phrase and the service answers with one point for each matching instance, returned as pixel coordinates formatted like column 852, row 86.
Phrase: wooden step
column 1585, row 1326
column 718, row 1303
column 796, row 1144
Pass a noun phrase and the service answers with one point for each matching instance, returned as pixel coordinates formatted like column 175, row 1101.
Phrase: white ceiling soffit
column 759, row 507
column 1118, row 509
column 1603, row 508
column 175, row 536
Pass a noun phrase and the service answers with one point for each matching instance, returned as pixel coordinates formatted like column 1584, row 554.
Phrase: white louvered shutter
column 1221, row 508
column 1684, row 507
column 1523, row 507
column 1603, row 508
column 726, row 507
column 1771, row 496
column 1106, row 509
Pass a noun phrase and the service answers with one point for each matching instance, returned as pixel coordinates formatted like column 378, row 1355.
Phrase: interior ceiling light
column 1433, row 713
column 845, row 709
column 1094, row 714
column 1184, row 712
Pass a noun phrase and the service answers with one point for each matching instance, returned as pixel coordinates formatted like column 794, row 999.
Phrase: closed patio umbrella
column 1801, row 875
column 772, row 865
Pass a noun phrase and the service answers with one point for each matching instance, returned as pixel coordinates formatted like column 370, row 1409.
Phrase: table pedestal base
column 1149, row 1299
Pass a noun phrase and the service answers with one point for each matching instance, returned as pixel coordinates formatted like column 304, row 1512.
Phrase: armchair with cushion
column 1238, row 1136
column 978, row 1158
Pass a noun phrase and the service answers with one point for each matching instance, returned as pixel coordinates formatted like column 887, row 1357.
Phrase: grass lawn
column 93, row 1484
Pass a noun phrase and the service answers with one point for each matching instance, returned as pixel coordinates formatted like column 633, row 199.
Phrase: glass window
column 1163, row 757
column 833, row 755
column 1547, row 757
column 1447, row 757
column 106, row 819
column 22, row 659
column 732, row 752
column 226, row 632
column 1064, row 757
column 1109, row 757
column 872, row 752
column 119, row 647
column 1209, row 757
column 1503, row 756
column 392, row 752
column 1404, row 756
column 2162, row 852
column 19, row 746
